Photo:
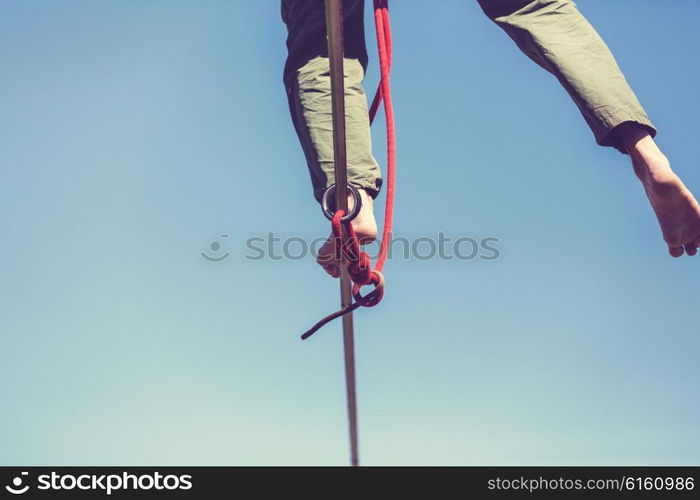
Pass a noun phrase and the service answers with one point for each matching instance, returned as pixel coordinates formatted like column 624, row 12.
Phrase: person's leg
column 677, row 210
column 307, row 82
column 556, row 36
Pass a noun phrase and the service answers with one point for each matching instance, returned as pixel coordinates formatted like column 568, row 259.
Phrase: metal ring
column 355, row 209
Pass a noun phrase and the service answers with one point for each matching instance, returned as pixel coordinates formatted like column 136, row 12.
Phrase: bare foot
column 365, row 227
column 675, row 206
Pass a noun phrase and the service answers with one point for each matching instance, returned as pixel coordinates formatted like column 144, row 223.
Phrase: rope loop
column 375, row 296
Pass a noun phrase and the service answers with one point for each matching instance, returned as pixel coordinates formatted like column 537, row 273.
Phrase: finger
column 690, row 249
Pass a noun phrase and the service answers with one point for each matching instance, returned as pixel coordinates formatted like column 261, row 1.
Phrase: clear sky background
column 134, row 134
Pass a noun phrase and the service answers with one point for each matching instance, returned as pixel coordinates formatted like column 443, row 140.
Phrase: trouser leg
column 556, row 36
column 307, row 82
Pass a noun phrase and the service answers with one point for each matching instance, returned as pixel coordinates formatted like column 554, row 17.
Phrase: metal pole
column 334, row 25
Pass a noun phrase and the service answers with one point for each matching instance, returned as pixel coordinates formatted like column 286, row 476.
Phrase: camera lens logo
column 215, row 246
column 16, row 483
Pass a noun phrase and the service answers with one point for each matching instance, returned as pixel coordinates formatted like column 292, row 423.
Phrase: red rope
column 381, row 21
column 359, row 265
column 381, row 17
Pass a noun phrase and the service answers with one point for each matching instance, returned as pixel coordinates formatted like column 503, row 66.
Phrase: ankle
column 634, row 137
column 657, row 177
column 650, row 164
column 364, row 224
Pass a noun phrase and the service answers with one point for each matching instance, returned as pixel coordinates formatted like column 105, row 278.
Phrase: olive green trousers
column 553, row 33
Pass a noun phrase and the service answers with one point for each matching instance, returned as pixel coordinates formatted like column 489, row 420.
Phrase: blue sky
column 135, row 133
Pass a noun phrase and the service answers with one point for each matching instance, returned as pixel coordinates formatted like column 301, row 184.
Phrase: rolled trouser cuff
column 607, row 133
column 372, row 185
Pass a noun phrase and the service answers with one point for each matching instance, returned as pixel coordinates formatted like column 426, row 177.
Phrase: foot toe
column 675, row 251
column 329, row 265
